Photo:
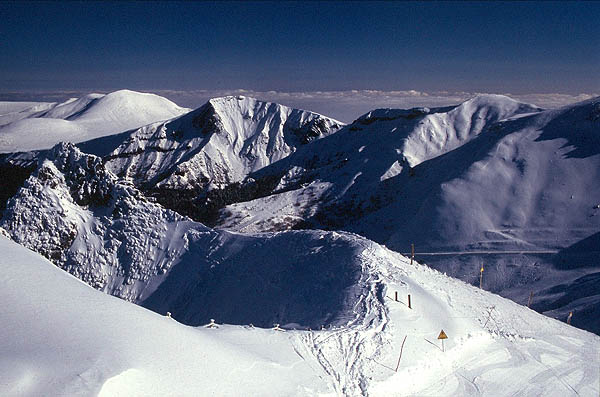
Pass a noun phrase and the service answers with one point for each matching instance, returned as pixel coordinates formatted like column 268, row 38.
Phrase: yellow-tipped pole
column 481, row 277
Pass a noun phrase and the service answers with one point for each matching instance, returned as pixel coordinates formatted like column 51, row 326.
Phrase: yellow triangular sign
column 442, row 335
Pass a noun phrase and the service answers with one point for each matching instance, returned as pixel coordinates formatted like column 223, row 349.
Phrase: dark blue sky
column 487, row 47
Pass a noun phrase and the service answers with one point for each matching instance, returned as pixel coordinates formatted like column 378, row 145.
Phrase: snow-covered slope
column 13, row 111
column 216, row 144
column 422, row 133
column 76, row 213
column 35, row 126
column 60, row 337
column 377, row 147
column 527, row 183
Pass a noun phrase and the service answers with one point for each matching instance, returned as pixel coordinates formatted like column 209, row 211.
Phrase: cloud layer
column 345, row 106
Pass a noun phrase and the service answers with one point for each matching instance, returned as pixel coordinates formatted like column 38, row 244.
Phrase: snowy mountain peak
column 89, row 181
column 219, row 143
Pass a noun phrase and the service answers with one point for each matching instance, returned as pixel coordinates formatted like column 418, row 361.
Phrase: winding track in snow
column 342, row 352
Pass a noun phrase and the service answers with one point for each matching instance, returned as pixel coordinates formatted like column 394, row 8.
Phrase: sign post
column 442, row 336
column 412, row 253
column 481, row 277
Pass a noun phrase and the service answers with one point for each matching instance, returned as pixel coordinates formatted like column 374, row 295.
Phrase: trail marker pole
column 412, row 253
column 569, row 318
column 481, row 277
column 396, row 296
column 409, row 306
column 530, row 299
column 442, row 336
column 401, row 348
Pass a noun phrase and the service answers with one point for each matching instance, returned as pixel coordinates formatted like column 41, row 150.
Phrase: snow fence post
column 530, row 299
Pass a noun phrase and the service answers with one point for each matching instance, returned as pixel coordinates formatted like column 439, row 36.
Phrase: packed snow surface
column 26, row 126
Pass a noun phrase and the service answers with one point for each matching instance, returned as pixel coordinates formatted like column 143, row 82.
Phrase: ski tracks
column 345, row 353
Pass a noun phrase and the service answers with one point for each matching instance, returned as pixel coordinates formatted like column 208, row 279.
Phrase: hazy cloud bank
column 342, row 105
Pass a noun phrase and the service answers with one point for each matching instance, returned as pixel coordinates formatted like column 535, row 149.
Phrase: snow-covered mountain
column 342, row 299
column 354, row 163
column 211, row 149
column 60, row 337
column 76, row 213
column 35, row 126
column 523, row 183
column 215, row 145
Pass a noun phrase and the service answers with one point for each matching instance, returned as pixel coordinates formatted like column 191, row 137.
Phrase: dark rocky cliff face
column 12, row 178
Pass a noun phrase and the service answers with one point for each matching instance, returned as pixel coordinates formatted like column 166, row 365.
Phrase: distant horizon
column 344, row 106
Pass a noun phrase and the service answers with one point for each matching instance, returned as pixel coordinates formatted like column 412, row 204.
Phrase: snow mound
column 61, row 337
column 41, row 126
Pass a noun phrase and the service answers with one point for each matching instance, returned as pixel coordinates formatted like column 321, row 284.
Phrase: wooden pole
column 396, row 296
column 569, row 318
column 412, row 253
column 409, row 306
column 530, row 299
column 401, row 348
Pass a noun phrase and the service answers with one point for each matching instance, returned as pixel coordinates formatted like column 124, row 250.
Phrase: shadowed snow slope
column 36, row 126
column 60, row 337
column 77, row 214
column 527, row 183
